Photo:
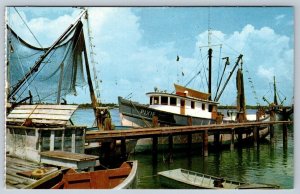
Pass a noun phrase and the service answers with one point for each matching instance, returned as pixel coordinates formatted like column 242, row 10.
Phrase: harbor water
column 268, row 163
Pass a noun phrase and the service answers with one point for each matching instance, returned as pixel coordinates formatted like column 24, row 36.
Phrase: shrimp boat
column 38, row 117
column 281, row 112
column 186, row 179
column 189, row 107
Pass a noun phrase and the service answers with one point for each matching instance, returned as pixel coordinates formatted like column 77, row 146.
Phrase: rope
column 28, row 27
column 139, row 114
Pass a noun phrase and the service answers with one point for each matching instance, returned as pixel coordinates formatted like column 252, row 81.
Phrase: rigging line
column 203, row 66
column 28, row 27
column 219, row 67
column 20, row 64
column 223, row 42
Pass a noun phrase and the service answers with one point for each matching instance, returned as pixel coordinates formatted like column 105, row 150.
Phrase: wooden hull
column 123, row 177
column 185, row 179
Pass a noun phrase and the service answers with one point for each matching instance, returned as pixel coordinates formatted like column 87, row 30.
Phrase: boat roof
column 190, row 92
column 186, row 93
column 181, row 96
column 41, row 114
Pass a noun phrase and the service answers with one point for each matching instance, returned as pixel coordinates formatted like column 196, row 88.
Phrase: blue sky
column 136, row 47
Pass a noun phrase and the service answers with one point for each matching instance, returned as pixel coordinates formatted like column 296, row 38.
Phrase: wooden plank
column 37, row 121
column 45, row 106
column 60, row 107
column 69, row 155
column 73, row 142
column 52, row 136
column 42, row 180
column 15, row 120
column 43, row 111
column 40, row 116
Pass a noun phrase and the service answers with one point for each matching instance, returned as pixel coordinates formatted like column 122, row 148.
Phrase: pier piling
column 255, row 136
column 285, row 135
column 154, row 148
column 189, row 141
column 205, row 143
column 272, row 118
column 217, row 139
column 232, row 140
column 123, row 148
column 170, row 156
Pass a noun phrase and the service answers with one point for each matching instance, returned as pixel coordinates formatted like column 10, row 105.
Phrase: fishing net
column 59, row 73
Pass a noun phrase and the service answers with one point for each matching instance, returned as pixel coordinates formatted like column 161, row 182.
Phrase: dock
column 213, row 129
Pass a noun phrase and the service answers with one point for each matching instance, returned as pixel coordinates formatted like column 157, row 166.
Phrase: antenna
column 208, row 29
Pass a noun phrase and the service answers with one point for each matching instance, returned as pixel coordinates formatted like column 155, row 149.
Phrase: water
column 269, row 163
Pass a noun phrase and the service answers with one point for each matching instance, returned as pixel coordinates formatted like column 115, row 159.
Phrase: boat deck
column 14, row 168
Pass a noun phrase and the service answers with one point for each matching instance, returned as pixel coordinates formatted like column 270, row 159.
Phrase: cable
column 28, row 28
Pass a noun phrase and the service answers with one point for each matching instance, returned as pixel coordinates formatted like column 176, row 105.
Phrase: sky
column 136, row 48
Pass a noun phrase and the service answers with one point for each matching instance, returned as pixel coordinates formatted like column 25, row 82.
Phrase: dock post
column 189, row 141
column 170, row 156
column 205, row 143
column 123, row 148
column 232, row 140
column 240, row 136
column 272, row 118
column 154, row 149
column 285, row 135
column 255, row 136
column 190, row 137
column 217, row 139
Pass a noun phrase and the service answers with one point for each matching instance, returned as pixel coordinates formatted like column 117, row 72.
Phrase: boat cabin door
column 182, row 107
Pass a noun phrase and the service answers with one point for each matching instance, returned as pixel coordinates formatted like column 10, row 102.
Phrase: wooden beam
column 170, row 148
column 154, row 149
column 205, row 143
column 232, row 140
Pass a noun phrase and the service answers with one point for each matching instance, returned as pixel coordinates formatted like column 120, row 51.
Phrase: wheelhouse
column 182, row 104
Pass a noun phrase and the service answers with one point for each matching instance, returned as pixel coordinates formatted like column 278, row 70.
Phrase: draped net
column 60, row 72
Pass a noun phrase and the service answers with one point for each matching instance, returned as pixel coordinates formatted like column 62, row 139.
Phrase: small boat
column 186, row 179
column 123, row 177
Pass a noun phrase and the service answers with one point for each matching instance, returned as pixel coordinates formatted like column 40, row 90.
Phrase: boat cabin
column 185, row 102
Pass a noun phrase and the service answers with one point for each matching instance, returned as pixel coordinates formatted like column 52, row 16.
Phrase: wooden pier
column 205, row 130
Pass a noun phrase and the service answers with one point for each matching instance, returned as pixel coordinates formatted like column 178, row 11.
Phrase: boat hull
column 138, row 115
column 123, row 177
column 186, row 179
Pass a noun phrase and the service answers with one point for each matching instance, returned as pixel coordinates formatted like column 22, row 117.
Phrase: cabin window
column 192, row 105
column 210, row 108
column 173, row 101
column 156, row 99
column 203, row 106
column 164, row 100
column 151, row 100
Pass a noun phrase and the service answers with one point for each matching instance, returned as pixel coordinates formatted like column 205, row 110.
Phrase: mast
column 275, row 92
column 236, row 64
column 36, row 66
column 209, row 71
